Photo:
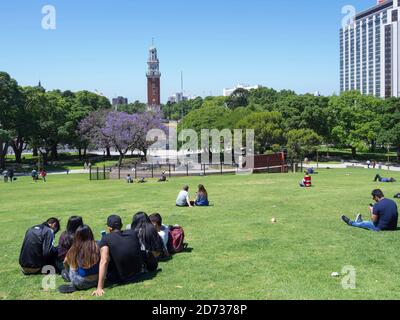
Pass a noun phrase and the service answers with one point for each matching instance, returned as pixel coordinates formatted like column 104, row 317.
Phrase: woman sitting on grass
column 67, row 237
column 202, row 197
column 83, row 261
column 149, row 239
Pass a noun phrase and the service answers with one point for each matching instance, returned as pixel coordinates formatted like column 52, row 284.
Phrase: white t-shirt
column 164, row 234
column 182, row 196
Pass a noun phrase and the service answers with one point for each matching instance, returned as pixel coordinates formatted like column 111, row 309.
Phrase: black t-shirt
column 125, row 254
column 386, row 209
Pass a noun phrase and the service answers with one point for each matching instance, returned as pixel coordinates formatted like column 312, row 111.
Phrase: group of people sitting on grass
column 129, row 178
column 384, row 215
column 120, row 257
column 201, row 198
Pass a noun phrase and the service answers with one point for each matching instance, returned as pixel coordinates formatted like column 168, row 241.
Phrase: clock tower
column 153, row 81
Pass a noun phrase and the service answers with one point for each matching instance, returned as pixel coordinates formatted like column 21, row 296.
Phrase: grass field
column 237, row 252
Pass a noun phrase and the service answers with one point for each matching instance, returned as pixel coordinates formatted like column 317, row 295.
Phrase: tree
column 90, row 130
column 302, row 142
column 80, row 105
column 147, row 121
column 389, row 133
column 49, row 115
column 268, row 129
column 10, row 102
column 132, row 108
column 353, row 120
column 239, row 98
column 120, row 130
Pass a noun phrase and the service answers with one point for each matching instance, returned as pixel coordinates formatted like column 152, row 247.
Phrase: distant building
column 228, row 92
column 120, row 101
column 179, row 97
column 153, row 81
column 370, row 51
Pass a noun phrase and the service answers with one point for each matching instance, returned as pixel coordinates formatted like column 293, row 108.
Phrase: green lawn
column 237, row 252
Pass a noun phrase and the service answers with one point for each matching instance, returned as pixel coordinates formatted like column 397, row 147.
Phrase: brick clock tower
column 153, row 81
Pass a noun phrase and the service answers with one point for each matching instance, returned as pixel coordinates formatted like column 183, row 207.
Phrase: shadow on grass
column 142, row 278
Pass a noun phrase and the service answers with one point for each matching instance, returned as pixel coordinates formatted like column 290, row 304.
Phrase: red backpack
column 176, row 238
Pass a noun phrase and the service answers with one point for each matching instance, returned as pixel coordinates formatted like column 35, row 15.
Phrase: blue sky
column 103, row 45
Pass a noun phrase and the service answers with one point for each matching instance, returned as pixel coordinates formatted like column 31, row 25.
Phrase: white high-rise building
column 370, row 52
column 228, row 92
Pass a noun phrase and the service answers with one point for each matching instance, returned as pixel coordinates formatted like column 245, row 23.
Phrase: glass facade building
column 369, row 51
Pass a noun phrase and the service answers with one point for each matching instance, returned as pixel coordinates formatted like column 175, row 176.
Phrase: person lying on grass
column 380, row 179
column 384, row 215
column 121, row 259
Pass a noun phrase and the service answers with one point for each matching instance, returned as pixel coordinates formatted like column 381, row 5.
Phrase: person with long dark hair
column 150, row 241
column 67, row 237
column 202, row 197
column 82, row 260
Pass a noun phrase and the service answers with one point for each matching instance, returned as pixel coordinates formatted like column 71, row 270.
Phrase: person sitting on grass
column 37, row 249
column 163, row 178
column 121, row 259
column 129, row 179
column 34, row 175
column 43, row 174
column 380, row 179
column 306, row 183
column 82, row 260
column 142, row 180
column 66, row 241
column 183, row 199
column 163, row 231
column 201, row 197
column 384, row 215
column 150, row 241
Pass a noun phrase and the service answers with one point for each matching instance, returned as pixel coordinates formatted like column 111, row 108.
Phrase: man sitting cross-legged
column 384, row 215
column 121, row 259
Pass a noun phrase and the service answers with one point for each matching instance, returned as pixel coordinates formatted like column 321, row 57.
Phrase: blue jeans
column 79, row 282
column 369, row 225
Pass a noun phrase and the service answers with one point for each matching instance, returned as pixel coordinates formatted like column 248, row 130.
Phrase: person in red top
column 43, row 174
column 306, row 183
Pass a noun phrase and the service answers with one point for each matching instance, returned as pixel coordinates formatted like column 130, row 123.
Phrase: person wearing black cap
column 121, row 260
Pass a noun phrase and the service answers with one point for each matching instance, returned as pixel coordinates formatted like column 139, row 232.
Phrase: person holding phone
column 384, row 215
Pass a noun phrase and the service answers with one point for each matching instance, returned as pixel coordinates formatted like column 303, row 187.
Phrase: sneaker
column 65, row 275
column 346, row 220
column 67, row 288
column 359, row 218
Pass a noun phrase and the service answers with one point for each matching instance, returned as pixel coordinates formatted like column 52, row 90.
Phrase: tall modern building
column 370, row 52
column 153, row 81
column 120, row 101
